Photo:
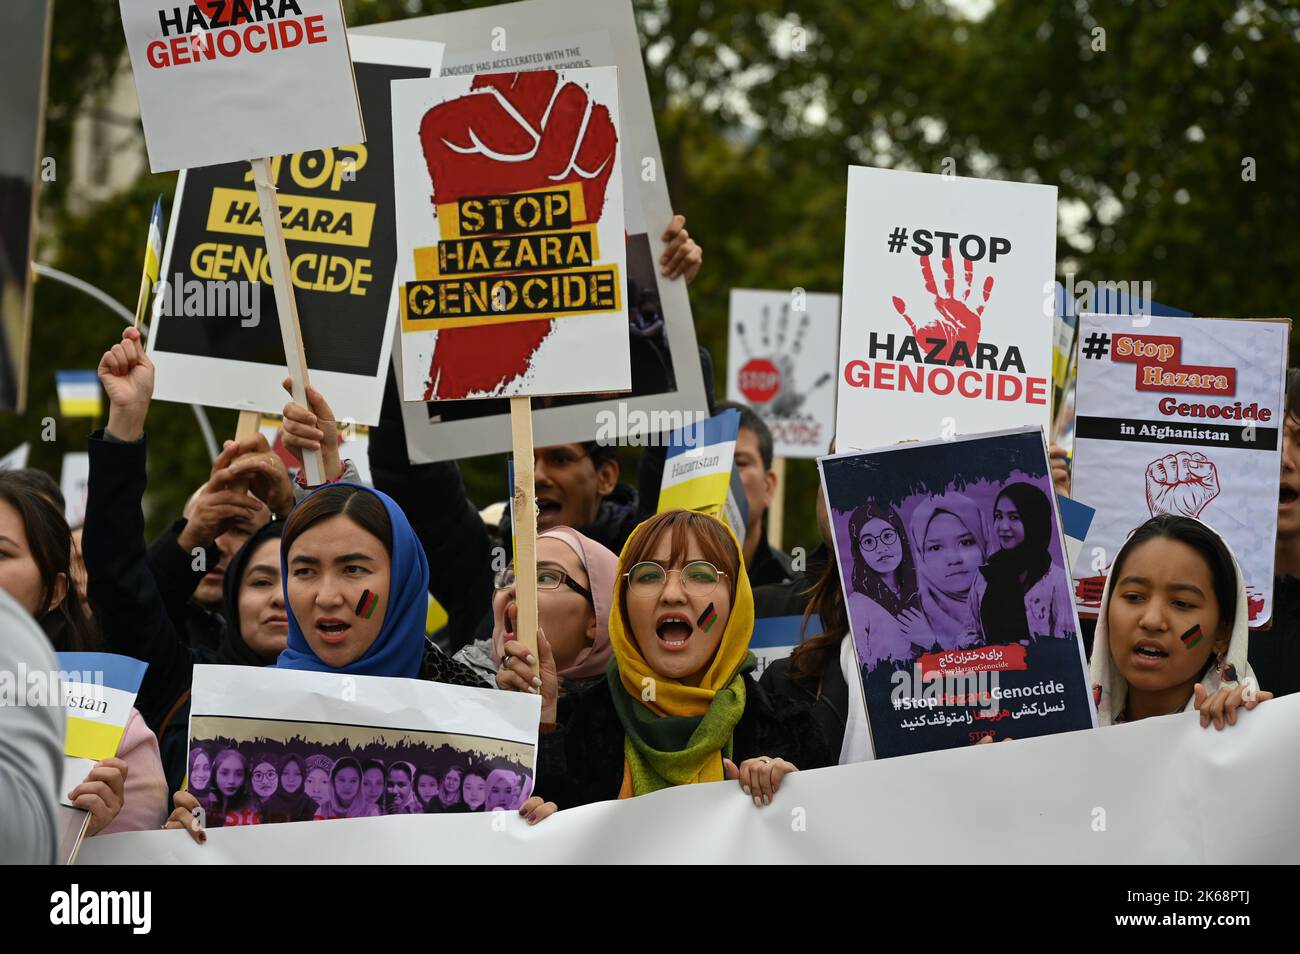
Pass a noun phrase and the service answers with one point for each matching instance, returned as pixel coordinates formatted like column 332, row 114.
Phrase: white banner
column 1160, row 790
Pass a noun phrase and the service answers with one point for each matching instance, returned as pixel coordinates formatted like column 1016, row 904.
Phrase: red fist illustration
column 956, row 320
column 1182, row 484
column 513, row 132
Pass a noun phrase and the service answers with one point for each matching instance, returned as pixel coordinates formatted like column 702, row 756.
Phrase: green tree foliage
column 1165, row 125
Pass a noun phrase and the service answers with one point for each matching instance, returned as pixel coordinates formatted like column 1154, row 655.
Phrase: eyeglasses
column 888, row 538
column 699, row 578
column 548, row 578
column 270, row 776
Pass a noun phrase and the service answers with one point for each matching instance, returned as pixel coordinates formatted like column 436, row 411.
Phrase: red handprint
column 956, row 321
column 512, row 132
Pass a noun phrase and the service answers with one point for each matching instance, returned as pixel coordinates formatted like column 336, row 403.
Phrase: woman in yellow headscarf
column 678, row 704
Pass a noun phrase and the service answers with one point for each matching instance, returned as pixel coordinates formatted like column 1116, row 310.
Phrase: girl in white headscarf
column 949, row 543
column 1173, row 628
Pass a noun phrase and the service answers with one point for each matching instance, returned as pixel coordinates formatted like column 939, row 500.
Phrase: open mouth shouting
column 332, row 630
column 1148, row 654
column 548, row 511
column 1286, row 497
column 674, row 631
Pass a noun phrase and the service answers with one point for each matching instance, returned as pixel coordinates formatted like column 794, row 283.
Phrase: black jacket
column 788, row 597
column 173, row 571
column 449, row 527
column 1274, row 653
column 829, row 698
column 125, row 597
column 581, row 761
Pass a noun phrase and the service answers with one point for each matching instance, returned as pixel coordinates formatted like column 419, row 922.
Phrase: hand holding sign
column 1181, row 484
column 956, row 320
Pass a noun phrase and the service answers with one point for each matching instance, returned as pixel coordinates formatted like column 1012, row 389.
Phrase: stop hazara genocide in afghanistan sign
column 222, row 80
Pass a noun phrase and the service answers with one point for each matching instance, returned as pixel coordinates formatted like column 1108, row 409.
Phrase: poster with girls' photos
column 277, row 745
column 953, row 565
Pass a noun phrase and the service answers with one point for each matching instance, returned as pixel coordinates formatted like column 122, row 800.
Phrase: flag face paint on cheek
column 366, row 605
column 707, row 618
column 1192, row 636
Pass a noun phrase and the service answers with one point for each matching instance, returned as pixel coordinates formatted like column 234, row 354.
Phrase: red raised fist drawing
column 511, row 133
column 956, row 321
column 518, row 131
column 1182, row 484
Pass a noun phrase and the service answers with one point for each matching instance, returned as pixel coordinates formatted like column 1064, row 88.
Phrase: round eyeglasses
column 699, row 578
column 888, row 538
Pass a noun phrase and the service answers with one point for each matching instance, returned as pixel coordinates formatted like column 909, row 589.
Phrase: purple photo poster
column 958, row 597
column 276, row 745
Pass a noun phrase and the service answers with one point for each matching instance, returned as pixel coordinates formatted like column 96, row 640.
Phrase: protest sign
column 1076, row 521
column 775, row 637
column 354, row 444
column 215, row 337
column 220, row 82
column 74, row 481
column 667, row 381
column 700, row 472
column 98, row 693
column 510, row 235
column 16, row 459
column 24, row 51
column 943, row 329
column 1180, row 416
column 1166, row 784
column 958, row 597
column 282, row 745
column 781, row 361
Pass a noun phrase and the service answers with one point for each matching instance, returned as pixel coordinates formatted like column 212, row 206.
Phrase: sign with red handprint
column 510, row 235
column 947, row 320
column 781, row 362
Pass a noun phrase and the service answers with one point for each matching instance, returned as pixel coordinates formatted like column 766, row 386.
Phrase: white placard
column 1181, row 416
column 948, row 305
column 221, row 82
column 510, row 235
column 781, row 361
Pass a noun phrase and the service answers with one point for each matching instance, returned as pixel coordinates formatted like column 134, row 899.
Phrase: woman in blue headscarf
column 356, row 586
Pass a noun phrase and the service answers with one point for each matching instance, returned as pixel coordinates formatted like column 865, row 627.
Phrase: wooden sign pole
column 525, row 523
column 250, row 423
column 776, row 512
column 282, row 282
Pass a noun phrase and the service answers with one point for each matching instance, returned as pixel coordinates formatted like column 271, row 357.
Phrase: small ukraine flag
column 79, row 393
column 153, row 248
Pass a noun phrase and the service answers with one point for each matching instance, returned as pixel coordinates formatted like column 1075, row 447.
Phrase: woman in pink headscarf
column 575, row 587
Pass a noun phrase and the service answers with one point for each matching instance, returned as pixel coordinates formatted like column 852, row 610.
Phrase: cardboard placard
column 947, row 324
column 667, row 382
column 510, row 235
column 955, row 644
column 224, row 81
column 781, row 361
column 338, row 219
column 1180, row 416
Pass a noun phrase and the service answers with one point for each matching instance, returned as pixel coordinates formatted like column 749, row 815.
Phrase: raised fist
column 1182, row 484
column 956, row 319
column 519, row 131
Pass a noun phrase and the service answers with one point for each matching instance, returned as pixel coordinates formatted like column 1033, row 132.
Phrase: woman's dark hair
column 866, row 580
column 49, row 539
column 365, row 509
column 369, row 764
column 1292, row 403
column 826, row 599
column 403, row 766
column 346, row 761
column 1207, row 543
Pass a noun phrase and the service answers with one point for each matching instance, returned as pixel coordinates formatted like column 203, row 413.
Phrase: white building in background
column 108, row 151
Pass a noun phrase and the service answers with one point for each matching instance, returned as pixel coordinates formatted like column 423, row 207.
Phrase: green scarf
column 663, row 751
